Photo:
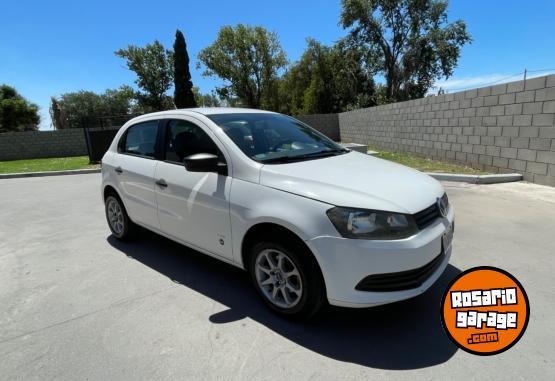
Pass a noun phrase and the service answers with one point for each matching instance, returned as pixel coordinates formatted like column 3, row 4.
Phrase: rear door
column 193, row 206
column 135, row 165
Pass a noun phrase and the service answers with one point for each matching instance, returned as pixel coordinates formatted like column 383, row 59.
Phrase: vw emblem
column 442, row 207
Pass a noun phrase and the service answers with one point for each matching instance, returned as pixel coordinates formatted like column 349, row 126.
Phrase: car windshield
column 275, row 138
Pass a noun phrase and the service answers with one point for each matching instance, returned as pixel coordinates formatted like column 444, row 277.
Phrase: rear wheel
column 288, row 278
column 118, row 220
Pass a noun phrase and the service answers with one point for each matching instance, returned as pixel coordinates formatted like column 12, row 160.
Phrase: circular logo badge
column 442, row 206
column 485, row 310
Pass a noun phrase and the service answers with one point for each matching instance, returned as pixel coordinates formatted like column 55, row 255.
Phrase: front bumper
column 345, row 262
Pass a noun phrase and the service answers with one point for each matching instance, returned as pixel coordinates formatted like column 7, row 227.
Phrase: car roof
column 225, row 110
column 198, row 110
column 210, row 111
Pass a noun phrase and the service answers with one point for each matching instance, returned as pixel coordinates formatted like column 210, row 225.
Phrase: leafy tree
column 249, row 59
column 354, row 85
column 120, row 101
column 206, row 100
column 326, row 80
column 409, row 42
column 16, row 112
column 88, row 109
column 78, row 109
column 183, row 96
column 153, row 65
column 310, row 81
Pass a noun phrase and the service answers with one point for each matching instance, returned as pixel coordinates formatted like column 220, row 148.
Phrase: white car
column 311, row 221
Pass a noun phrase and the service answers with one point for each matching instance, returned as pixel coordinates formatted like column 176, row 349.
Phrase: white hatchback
column 311, row 221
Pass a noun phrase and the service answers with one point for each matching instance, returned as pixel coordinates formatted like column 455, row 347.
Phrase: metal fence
column 98, row 141
column 99, row 133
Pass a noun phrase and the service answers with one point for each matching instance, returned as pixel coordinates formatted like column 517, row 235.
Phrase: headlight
column 371, row 224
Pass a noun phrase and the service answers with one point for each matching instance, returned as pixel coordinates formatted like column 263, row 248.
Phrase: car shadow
column 403, row 335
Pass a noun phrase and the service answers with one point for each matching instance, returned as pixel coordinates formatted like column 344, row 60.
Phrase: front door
column 193, row 206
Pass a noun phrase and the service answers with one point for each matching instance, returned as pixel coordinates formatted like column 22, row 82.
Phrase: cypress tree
column 183, row 95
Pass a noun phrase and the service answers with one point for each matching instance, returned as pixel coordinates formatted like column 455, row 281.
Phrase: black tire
column 313, row 296
column 128, row 227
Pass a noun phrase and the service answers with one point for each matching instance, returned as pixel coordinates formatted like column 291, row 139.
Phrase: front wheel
column 288, row 279
column 118, row 220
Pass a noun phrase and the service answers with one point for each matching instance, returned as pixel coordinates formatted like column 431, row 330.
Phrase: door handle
column 118, row 170
column 161, row 183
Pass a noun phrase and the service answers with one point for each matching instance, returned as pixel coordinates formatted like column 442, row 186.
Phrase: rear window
column 140, row 139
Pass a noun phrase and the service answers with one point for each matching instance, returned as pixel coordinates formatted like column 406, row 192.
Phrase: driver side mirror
column 204, row 162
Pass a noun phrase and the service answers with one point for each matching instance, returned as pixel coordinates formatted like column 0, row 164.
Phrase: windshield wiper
column 287, row 158
column 327, row 151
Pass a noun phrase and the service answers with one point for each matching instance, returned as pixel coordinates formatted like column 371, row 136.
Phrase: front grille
column 427, row 216
column 404, row 280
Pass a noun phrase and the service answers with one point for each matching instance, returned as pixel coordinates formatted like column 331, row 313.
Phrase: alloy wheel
column 278, row 278
column 115, row 216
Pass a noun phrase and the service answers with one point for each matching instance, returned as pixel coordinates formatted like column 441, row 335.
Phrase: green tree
column 326, row 80
column 310, row 81
column 120, row 101
column 354, row 85
column 16, row 112
column 249, row 60
column 183, row 96
column 206, row 100
column 153, row 65
column 88, row 109
column 76, row 109
column 409, row 42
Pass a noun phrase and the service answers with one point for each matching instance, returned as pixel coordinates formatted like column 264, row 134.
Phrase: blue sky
column 51, row 47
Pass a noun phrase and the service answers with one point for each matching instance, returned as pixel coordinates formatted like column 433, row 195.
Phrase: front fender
column 252, row 204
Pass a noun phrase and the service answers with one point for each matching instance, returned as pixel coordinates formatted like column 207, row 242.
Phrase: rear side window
column 184, row 138
column 140, row 139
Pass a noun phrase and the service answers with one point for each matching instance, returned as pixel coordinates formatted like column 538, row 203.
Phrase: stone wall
column 328, row 124
column 503, row 128
column 42, row 144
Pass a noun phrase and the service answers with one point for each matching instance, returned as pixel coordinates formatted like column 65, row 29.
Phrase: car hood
column 355, row 180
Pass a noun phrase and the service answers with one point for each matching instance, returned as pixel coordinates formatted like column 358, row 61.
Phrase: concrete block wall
column 328, row 124
column 503, row 128
column 42, row 144
column 71, row 142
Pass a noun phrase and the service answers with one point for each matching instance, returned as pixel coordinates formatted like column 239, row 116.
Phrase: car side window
column 184, row 138
column 140, row 139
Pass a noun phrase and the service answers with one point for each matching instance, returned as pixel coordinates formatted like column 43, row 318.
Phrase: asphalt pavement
column 78, row 304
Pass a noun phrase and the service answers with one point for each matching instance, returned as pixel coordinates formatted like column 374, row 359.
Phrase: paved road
column 76, row 304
